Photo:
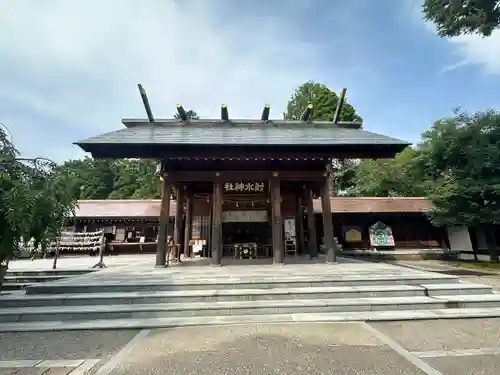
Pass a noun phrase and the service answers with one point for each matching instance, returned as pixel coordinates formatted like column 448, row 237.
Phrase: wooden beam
column 145, row 101
column 329, row 242
column 299, row 225
column 179, row 211
column 235, row 176
column 161, row 247
column 216, row 259
column 277, row 221
column 340, row 104
column 311, row 224
column 189, row 224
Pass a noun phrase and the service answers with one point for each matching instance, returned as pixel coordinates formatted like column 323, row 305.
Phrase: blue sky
column 69, row 69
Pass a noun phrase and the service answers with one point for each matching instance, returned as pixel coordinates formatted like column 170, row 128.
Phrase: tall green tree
column 458, row 17
column 459, row 158
column 324, row 103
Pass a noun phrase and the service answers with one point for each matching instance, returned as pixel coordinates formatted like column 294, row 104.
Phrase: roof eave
column 156, row 150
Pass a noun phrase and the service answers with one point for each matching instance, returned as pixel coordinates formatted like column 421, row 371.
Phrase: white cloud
column 476, row 50
column 468, row 49
column 76, row 64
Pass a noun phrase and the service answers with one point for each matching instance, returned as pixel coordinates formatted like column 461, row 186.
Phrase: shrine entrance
column 246, row 227
column 218, row 170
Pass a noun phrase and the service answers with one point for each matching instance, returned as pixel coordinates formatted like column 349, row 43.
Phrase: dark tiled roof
column 121, row 208
column 150, row 208
column 241, row 133
column 379, row 204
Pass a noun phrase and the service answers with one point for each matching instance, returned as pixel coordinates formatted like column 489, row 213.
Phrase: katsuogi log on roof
column 155, row 138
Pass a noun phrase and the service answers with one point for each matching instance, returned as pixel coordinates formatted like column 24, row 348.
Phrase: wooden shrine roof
column 379, row 204
column 141, row 138
column 150, row 209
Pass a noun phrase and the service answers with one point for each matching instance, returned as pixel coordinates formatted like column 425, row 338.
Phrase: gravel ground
column 265, row 349
column 470, row 365
column 63, row 345
column 443, row 334
column 318, row 348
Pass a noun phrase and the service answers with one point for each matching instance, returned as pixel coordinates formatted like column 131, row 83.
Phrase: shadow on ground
column 265, row 349
column 464, row 272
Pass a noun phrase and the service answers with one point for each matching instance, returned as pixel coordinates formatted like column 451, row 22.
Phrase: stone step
column 30, row 279
column 221, row 295
column 264, row 307
column 469, row 301
column 462, row 288
column 90, row 286
column 132, row 323
column 62, row 272
column 11, row 286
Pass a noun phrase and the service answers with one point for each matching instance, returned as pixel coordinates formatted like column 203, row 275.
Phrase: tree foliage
column 324, row 103
column 459, row 161
column 36, row 199
column 458, row 17
column 386, row 177
column 191, row 115
column 113, row 179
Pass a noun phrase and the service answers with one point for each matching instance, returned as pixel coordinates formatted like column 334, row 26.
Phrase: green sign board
column 381, row 235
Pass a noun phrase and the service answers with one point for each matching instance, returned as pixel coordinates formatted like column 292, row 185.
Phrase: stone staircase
column 18, row 280
column 131, row 297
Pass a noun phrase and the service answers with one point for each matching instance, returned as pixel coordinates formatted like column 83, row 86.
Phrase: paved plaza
column 434, row 347
column 446, row 347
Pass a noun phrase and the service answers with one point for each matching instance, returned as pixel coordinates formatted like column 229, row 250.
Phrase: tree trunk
column 3, row 271
column 102, row 248
column 4, row 266
column 492, row 246
column 56, row 253
column 473, row 238
column 56, row 256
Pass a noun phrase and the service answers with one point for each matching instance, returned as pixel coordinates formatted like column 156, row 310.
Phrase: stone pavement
column 440, row 347
column 470, row 275
column 79, row 262
column 75, row 352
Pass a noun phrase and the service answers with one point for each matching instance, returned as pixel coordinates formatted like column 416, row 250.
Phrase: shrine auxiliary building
column 245, row 184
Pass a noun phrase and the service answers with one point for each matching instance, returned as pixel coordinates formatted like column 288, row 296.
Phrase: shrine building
column 244, row 184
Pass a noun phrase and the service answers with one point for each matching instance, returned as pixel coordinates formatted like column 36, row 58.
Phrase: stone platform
column 402, row 254
column 17, row 279
column 139, row 296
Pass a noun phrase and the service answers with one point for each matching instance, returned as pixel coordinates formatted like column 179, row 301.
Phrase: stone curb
column 402, row 315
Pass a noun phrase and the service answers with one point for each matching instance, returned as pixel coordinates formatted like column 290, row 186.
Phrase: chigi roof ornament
column 307, row 115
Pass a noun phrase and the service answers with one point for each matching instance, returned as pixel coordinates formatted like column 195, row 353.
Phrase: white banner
column 289, row 229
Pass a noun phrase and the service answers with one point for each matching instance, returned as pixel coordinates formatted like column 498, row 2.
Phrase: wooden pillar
column 311, row 224
column 329, row 242
column 161, row 246
column 189, row 225
column 299, row 225
column 217, row 224
column 179, row 213
column 277, row 221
